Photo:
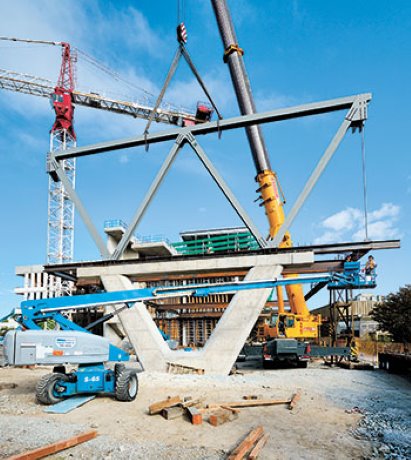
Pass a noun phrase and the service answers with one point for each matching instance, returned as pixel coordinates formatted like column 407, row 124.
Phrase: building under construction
column 203, row 257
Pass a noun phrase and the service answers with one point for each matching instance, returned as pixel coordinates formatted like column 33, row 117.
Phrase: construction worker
column 370, row 269
column 370, row 266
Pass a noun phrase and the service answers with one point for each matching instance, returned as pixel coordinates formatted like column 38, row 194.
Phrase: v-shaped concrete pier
column 221, row 350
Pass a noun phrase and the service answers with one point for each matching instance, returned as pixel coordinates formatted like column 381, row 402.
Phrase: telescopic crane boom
column 268, row 183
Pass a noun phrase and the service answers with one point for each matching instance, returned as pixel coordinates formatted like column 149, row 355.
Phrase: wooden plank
column 234, row 411
column 157, row 407
column 295, row 398
column 258, row 447
column 195, row 415
column 175, row 368
column 68, row 404
column 253, row 403
column 222, row 416
column 193, row 403
column 172, row 413
column 50, row 449
column 245, row 446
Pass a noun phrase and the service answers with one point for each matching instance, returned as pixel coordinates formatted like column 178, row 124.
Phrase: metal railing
column 225, row 243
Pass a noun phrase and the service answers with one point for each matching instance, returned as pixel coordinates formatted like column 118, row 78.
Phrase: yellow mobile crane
column 299, row 323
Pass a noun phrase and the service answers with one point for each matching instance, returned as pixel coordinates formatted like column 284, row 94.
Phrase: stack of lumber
column 217, row 413
column 251, row 445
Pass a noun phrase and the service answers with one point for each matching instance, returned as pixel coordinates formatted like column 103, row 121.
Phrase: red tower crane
column 64, row 97
column 63, row 94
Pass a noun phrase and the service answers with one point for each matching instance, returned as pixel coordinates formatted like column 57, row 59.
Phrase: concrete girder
column 177, row 265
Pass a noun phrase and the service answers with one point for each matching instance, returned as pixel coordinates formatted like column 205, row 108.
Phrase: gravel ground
column 342, row 414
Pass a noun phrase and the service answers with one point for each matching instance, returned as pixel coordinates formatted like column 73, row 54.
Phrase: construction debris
column 222, row 416
column 7, row 385
column 42, row 452
column 157, row 407
column 252, row 403
column 195, row 416
column 192, row 402
column 296, row 397
column 174, row 368
column 172, row 413
column 216, row 413
column 258, row 447
column 234, row 411
column 247, row 444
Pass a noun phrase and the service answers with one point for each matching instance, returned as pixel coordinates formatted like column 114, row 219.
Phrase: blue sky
column 295, row 52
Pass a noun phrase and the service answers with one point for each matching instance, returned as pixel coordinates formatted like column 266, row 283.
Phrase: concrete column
column 234, row 327
column 140, row 328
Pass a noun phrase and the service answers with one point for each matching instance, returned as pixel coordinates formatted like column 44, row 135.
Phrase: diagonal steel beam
column 56, row 167
column 357, row 113
column 289, row 113
column 148, row 198
column 226, row 190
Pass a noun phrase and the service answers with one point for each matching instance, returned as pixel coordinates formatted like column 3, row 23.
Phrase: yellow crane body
column 300, row 323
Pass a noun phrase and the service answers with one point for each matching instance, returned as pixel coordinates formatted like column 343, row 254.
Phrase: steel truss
column 355, row 116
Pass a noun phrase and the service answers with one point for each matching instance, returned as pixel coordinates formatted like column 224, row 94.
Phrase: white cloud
column 386, row 210
column 327, row 237
column 348, row 225
column 124, row 159
column 343, row 220
column 265, row 102
column 380, row 230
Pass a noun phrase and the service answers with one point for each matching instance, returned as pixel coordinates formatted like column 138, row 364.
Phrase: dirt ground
column 342, row 414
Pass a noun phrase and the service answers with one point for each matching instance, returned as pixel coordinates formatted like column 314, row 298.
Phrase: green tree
column 394, row 315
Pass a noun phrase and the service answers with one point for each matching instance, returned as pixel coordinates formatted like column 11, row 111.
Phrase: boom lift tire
column 47, row 386
column 126, row 385
column 118, row 369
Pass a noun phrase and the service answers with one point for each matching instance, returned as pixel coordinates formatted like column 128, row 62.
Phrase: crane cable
column 181, row 52
column 364, row 180
column 180, row 11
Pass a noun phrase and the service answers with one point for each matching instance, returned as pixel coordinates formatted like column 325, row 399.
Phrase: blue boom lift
column 75, row 345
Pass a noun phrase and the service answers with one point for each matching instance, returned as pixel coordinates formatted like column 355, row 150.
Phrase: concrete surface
column 225, row 343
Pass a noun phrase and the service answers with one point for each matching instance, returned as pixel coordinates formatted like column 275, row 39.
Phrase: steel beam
column 355, row 114
column 159, row 178
column 57, row 167
column 315, row 108
column 148, row 198
column 226, row 191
